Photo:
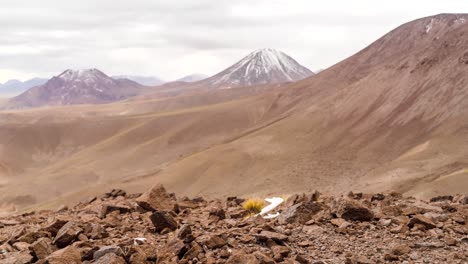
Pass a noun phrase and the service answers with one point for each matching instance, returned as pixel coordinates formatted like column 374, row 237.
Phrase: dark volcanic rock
column 162, row 220
column 441, row 198
column 353, row 211
column 109, row 208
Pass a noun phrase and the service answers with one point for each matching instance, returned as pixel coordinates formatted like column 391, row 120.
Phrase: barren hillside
column 391, row 117
column 50, row 152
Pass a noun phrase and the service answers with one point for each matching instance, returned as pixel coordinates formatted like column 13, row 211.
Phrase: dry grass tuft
column 254, row 206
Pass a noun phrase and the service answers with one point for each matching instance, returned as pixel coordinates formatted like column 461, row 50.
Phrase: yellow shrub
column 254, row 206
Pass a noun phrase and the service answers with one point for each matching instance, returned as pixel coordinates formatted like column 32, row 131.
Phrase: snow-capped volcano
column 89, row 86
column 263, row 66
column 82, row 75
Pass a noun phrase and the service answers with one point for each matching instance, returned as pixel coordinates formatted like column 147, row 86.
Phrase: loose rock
column 67, row 234
column 353, row 211
column 156, row 199
column 299, row 213
column 162, row 220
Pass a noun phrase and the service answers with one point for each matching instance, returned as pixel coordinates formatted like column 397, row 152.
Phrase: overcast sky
column 174, row 38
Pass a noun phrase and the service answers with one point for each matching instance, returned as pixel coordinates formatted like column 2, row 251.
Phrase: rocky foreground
column 156, row 227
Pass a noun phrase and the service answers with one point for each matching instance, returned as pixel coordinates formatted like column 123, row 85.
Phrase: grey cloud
column 152, row 36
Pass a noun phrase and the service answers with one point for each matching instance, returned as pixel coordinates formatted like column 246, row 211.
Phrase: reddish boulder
column 299, row 213
column 109, row 208
column 237, row 212
column 42, row 248
column 69, row 255
column 421, row 220
column 19, row 257
column 218, row 213
column 193, row 252
column 211, row 241
column 67, row 234
column 110, row 258
column 156, row 199
column 54, row 226
column 107, row 250
column 185, row 233
column 353, row 211
column 265, row 235
column 241, row 257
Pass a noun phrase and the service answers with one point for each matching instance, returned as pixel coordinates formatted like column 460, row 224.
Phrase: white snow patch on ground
column 274, row 202
column 460, row 21
column 429, row 26
column 270, row 216
column 139, row 240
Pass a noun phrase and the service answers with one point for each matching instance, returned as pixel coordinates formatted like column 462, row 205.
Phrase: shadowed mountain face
column 264, row 66
column 391, row 117
column 77, row 87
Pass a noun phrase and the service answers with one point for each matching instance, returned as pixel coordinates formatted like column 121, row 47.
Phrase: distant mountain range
column 193, row 78
column 155, row 81
column 144, row 80
column 15, row 87
column 91, row 86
